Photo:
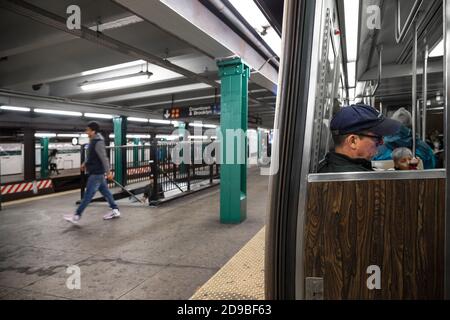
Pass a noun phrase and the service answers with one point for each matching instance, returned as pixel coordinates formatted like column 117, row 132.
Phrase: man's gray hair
column 404, row 116
column 399, row 153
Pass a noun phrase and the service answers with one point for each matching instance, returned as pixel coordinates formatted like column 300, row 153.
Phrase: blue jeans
column 96, row 182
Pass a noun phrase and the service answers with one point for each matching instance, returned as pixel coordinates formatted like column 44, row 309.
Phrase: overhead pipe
column 230, row 16
column 425, row 93
column 400, row 33
column 414, row 89
column 380, row 69
column 38, row 14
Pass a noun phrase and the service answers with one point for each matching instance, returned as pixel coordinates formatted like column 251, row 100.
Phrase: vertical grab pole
column 446, row 32
column 414, row 90
column 425, row 93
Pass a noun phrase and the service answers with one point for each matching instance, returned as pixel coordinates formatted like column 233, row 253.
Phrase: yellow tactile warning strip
column 242, row 278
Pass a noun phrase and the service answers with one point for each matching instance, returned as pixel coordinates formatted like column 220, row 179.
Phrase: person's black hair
column 93, row 125
column 338, row 140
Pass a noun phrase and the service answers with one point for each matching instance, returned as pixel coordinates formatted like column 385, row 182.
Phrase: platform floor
column 242, row 278
column 167, row 252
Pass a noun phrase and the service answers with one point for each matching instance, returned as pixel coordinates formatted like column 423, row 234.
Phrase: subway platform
column 168, row 252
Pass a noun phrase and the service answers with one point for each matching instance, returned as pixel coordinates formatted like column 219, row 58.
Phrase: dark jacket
column 97, row 161
column 336, row 162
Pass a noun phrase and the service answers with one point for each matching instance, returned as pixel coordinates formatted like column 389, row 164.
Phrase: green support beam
column 44, row 158
column 120, row 155
column 234, row 76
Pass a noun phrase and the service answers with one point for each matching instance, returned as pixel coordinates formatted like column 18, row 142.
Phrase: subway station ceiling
column 41, row 58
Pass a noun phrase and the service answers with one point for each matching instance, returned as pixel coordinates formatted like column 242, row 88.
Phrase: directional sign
column 189, row 112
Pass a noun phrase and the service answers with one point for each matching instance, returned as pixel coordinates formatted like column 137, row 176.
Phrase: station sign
column 189, row 112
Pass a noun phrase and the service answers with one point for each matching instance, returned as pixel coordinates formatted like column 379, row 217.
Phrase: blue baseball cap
column 360, row 117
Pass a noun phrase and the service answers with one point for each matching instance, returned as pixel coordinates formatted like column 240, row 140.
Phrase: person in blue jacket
column 403, row 138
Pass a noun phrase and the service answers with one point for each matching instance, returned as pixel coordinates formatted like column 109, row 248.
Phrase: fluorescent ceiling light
column 159, row 121
column 68, row 135
column 117, row 23
column 45, row 135
column 59, row 112
column 167, row 137
column 438, row 50
column 351, row 74
column 117, row 82
column 141, row 136
column 156, row 92
column 253, row 15
column 83, row 135
column 198, row 137
column 134, row 119
column 12, row 108
column 351, row 11
column 114, row 67
column 201, row 125
column 112, row 135
column 98, row 115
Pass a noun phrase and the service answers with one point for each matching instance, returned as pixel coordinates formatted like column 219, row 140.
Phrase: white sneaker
column 115, row 213
column 73, row 218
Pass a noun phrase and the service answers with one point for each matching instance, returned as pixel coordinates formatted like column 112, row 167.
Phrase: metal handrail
column 400, row 32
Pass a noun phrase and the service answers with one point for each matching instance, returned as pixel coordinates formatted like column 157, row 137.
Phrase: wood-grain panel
column 397, row 225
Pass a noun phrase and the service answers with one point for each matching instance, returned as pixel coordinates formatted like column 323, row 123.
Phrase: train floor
column 167, row 252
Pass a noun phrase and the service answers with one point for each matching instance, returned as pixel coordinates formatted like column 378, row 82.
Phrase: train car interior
column 331, row 234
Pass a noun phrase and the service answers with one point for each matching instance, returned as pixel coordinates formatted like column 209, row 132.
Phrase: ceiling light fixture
column 13, row 108
column 134, row 119
column 45, row 135
column 159, row 121
column 59, row 112
column 98, row 115
column 117, row 82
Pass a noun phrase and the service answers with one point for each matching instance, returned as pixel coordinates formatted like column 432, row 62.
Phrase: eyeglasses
column 378, row 139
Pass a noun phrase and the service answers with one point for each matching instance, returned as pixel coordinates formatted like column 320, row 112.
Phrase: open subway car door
column 358, row 235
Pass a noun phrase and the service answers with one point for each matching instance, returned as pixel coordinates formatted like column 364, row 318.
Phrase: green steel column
column 234, row 75
column 136, row 152
column 120, row 155
column 44, row 158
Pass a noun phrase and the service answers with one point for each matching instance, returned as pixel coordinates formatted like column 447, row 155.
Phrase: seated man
column 404, row 160
column 357, row 131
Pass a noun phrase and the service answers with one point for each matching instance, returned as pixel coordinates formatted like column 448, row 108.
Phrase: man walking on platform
column 96, row 166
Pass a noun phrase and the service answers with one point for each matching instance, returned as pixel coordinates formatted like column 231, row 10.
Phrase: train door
column 356, row 235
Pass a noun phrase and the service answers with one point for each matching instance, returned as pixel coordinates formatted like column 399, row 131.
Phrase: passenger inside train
column 404, row 159
column 357, row 131
column 403, row 138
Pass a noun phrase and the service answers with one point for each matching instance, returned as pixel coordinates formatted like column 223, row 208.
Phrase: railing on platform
column 150, row 169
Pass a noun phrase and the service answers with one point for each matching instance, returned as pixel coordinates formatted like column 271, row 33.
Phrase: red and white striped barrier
column 26, row 186
column 132, row 171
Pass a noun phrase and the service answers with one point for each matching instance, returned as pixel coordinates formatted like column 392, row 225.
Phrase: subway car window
column 400, row 76
column 362, row 183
